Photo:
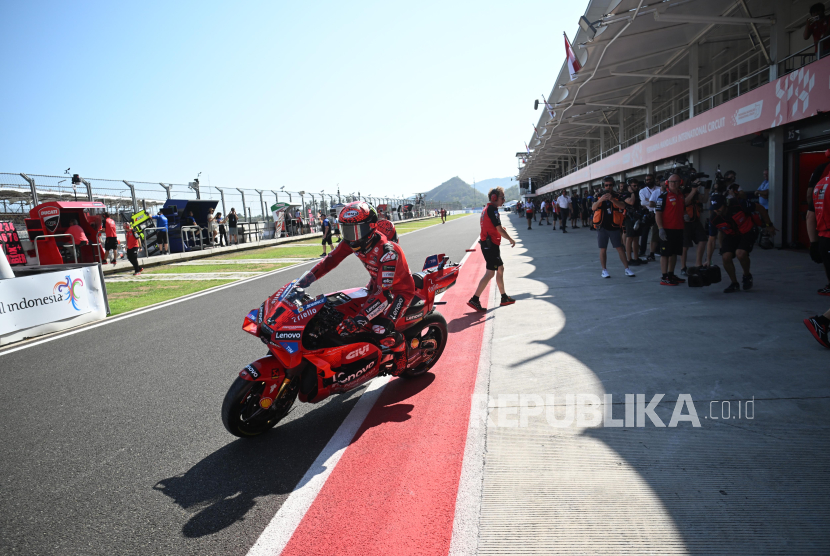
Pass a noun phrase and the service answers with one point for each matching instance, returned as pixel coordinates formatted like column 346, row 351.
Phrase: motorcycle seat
column 416, row 306
column 418, row 278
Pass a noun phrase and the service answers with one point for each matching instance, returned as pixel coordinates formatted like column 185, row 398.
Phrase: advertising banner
column 795, row 96
column 33, row 300
column 10, row 243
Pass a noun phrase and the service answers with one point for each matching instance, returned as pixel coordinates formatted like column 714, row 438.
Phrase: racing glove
column 348, row 326
column 814, row 252
column 663, row 235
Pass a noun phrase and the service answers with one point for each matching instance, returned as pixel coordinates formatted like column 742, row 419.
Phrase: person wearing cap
column 736, row 218
column 608, row 209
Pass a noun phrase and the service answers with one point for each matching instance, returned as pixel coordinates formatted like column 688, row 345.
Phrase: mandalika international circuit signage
column 33, row 300
column 796, row 96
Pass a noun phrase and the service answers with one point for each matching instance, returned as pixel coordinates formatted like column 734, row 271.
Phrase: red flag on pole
column 573, row 64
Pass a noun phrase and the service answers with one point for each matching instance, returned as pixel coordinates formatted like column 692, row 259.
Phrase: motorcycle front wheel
column 241, row 411
column 431, row 331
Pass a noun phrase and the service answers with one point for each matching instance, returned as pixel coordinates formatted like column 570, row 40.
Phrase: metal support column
column 621, row 118
column 649, row 92
column 694, row 73
column 262, row 205
column 601, row 142
column 222, row 195
column 776, row 181
column 35, row 202
column 88, row 189
column 242, row 192
column 132, row 194
column 167, row 189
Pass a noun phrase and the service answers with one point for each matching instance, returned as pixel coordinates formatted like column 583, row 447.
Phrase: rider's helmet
column 388, row 229
column 357, row 223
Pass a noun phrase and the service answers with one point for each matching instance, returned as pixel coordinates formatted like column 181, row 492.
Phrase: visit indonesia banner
column 33, row 300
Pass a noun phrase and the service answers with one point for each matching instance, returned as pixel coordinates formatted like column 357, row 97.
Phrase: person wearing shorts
column 490, row 240
column 607, row 229
column 111, row 241
column 669, row 212
column 326, row 235
column 233, row 220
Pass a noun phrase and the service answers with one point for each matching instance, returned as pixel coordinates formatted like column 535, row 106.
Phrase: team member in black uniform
column 490, row 240
column 736, row 218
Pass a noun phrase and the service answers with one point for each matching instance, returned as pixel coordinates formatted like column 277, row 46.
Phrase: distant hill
column 457, row 190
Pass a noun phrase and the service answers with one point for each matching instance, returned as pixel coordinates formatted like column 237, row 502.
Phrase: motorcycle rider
column 391, row 288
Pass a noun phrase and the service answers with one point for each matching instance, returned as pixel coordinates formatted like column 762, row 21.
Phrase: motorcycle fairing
column 265, row 369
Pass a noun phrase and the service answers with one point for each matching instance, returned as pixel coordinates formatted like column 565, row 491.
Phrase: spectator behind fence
column 78, row 236
column 223, row 236
column 233, row 233
column 817, row 25
column 211, row 227
column 608, row 217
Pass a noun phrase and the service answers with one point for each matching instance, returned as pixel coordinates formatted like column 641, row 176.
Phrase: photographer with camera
column 737, row 218
column 817, row 25
column 693, row 231
column 608, row 218
column 670, row 213
column 632, row 222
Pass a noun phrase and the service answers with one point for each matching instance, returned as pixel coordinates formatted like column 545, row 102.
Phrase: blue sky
column 381, row 97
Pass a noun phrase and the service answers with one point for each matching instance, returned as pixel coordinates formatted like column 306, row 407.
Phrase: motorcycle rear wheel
column 241, row 413
column 433, row 326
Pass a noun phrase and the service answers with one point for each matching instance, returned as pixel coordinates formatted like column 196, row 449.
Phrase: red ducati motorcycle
column 308, row 359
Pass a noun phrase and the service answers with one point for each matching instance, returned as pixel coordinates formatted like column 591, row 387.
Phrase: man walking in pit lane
column 490, row 240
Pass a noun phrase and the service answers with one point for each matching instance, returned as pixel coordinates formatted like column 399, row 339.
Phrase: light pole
column 302, row 198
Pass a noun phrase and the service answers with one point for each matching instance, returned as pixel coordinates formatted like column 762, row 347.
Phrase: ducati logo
column 51, row 217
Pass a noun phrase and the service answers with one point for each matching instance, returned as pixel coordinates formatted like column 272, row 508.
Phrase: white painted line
column 280, row 529
column 468, row 501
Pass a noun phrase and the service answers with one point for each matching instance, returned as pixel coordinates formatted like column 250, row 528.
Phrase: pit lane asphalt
column 112, row 441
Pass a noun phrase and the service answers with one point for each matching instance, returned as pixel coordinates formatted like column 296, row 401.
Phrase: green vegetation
column 126, row 296
column 308, row 252
column 206, row 268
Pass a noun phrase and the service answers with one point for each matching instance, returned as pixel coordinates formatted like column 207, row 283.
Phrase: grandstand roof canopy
column 642, row 45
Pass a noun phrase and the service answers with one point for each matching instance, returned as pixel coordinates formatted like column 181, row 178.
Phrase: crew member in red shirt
column 78, row 235
column 111, row 243
column 818, row 228
column 133, row 244
column 669, row 213
column 490, row 241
